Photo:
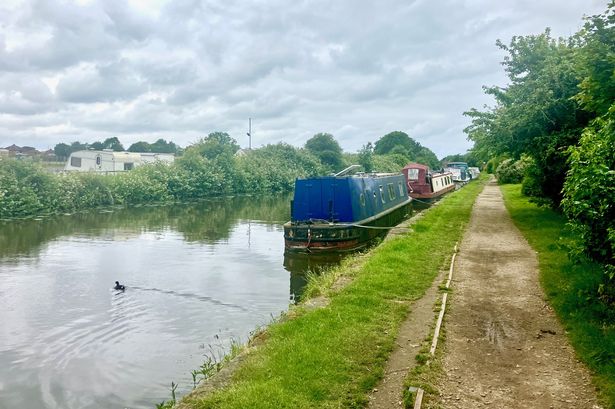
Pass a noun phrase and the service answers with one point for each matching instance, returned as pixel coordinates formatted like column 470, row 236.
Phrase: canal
column 197, row 277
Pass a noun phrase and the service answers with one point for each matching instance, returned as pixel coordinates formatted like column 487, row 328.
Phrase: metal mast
column 249, row 133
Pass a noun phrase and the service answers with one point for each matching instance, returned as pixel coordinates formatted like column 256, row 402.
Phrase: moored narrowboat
column 344, row 213
column 426, row 185
column 460, row 172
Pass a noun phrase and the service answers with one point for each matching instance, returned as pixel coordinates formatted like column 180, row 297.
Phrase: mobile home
column 110, row 161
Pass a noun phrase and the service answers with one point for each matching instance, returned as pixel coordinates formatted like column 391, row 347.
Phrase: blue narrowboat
column 344, row 213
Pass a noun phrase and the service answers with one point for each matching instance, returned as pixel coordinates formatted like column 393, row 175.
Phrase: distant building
column 21, row 151
column 110, row 161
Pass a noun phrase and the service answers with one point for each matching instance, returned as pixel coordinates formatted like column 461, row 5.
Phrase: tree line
column 212, row 166
column 553, row 129
column 63, row 150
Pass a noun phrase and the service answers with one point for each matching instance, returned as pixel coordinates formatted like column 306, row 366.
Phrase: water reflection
column 196, row 275
column 300, row 265
column 206, row 222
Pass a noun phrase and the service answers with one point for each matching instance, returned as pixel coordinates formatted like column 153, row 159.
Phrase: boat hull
column 342, row 237
column 432, row 196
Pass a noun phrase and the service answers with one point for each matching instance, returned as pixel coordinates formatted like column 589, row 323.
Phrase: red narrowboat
column 426, row 185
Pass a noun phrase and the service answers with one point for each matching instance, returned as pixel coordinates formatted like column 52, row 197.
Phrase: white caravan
column 110, row 161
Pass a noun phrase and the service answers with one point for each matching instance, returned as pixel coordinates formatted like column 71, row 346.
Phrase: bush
column 533, row 180
column 510, row 171
column 589, row 195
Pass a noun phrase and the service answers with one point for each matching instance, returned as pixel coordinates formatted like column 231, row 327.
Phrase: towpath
column 504, row 347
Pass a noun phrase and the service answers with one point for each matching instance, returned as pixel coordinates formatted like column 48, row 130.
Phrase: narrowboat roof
column 347, row 198
column 414, row 165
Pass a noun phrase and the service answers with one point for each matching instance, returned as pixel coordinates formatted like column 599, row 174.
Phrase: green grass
column 571, row 289
column 331, row 357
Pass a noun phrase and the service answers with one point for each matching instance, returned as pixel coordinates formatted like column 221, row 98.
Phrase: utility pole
column 249, row 133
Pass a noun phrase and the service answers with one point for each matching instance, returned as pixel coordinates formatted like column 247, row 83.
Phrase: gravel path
column 504, row 346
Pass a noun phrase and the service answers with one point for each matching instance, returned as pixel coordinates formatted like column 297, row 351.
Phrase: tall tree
column 98, row 145
column 77, row 146
column 398, row 141
column 140, row 146
column 325, row 147
column 366, row 157
column 114, row 144
column 62, row 151
column 216, row 144
column 162, row 146
column 536, row 113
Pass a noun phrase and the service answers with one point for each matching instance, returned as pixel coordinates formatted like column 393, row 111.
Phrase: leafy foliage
column 589, row 195
column 62, row 151
column 399, row 143
column 327, row 150
column 536, row 113
column 558, row 109
column 211, row 167
column 366, row 157
column 511, row 171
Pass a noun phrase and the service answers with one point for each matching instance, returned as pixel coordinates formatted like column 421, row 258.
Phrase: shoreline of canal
column 332, row 347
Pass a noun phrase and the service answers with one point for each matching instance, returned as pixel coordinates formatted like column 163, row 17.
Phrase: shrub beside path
column 504, row 346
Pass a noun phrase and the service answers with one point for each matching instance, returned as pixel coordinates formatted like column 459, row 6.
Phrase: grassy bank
column 570, row 287
column 331, row 357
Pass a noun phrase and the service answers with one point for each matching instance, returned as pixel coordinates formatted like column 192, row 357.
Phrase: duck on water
column 119, row 286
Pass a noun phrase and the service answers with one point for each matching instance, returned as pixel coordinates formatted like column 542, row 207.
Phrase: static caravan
column 150, row 157
column 110, row 161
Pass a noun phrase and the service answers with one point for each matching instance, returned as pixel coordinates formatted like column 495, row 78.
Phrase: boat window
column 128, row 166
column 401, row 190
column 76, row 162
column 391, row 189
column 381, row 193
column 362, row 199
column 413, row 174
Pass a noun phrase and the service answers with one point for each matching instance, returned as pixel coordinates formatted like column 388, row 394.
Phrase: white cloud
column 141, row 70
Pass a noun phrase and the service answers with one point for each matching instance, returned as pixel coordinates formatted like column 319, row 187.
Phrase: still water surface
column 197, row 276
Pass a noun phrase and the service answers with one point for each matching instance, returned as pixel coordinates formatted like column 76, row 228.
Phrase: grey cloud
column 102, row 83
column 24, row 95
column 358, row 70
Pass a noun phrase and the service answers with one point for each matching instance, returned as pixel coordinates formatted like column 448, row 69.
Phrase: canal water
column 198, row 277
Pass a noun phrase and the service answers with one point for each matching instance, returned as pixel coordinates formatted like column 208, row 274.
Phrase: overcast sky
column 148, row 69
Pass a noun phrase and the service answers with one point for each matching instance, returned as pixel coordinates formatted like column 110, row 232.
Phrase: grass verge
column 331, row 357
column 571, row 288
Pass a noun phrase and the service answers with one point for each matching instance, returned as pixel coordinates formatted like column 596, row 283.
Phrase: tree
column 326, row 149
column 77, row 146
column 162, row 146
column 596, row 62
column 398, row 141
column 140, row 146
column 366, row 157
column 400, row 144
column 536, row 113
column 216, row 144
column 589, row 196
column 97, row 146
column 62, row 151
column 113, row 144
